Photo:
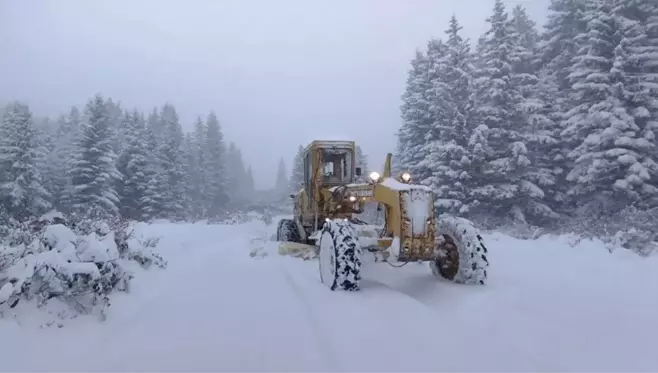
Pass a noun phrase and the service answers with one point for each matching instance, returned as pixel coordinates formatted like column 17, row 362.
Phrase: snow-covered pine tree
column 499, row 187
column 93, row 172
column 196, row 171
column 537, row 126
column 190, row 175
column 232, row 174
column 54, row 171
column 425, row 152
column 650, row 70
column 44, row 137
column 115, row 117
column 416, row 121
column 281, row 186
column 558, row 41
column 68, row 126
column 527, row 39
column 249, row 183
column 241, row 169
column 236, row 174
column 215, row 173
column 557, row 48
column 153, row 199
column 133, row 164
column 613, row 162
column 635, row 72
column 64, row 153
column 125, row 205
column 22, row 193
column 546, row 150
column 173, row 158
column 297, row 174
column 451, row 107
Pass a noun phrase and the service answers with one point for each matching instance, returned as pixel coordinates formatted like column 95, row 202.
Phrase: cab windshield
column 337, row 166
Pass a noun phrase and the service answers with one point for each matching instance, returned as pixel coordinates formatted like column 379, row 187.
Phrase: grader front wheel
column 340, row 256
column 462, row 256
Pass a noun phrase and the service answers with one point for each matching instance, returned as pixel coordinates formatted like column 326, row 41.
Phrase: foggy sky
column 278, row 73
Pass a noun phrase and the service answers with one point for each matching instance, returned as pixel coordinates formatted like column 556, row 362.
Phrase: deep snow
column 547, row 307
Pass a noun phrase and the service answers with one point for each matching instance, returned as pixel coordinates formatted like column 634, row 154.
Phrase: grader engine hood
column 411, row 219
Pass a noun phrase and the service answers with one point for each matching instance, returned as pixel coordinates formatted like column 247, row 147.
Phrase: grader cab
column 323, row 223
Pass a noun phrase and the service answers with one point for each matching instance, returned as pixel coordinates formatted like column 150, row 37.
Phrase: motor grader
column 324, row 225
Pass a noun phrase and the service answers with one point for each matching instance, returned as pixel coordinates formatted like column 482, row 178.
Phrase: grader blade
column 298, row 250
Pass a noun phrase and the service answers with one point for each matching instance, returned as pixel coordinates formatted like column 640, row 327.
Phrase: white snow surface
column 547, row 307
column 396, row 185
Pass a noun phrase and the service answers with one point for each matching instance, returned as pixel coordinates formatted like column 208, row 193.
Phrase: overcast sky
column 278, row 73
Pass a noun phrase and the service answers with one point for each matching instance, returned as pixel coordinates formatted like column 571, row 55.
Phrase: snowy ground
column 548, row 307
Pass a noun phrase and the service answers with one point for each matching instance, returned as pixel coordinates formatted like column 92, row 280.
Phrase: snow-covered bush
column 629, row 227
column 78, row 263
column 633, row 229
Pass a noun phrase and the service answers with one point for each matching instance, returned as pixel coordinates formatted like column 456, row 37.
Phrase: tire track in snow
column 369, row 283
column 365, row 324
column 199, row 261
column 328, row 351
column 453, row 336
column 503, row 340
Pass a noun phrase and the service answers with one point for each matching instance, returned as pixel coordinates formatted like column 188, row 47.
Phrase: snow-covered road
column 547, row 307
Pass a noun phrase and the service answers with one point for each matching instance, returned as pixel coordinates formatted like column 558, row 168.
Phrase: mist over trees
column 105, row 161
column 552, row 128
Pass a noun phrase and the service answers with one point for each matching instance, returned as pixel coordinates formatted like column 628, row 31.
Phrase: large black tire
column 462, row 254
column 287, row 231
column 340, row 256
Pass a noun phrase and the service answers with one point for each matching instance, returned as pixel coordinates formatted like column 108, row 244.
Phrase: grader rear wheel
column 462, row 256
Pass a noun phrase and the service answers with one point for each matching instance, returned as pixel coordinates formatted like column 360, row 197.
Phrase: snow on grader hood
column 323, row 224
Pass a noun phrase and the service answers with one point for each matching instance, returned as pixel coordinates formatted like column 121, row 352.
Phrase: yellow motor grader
column 323, row 223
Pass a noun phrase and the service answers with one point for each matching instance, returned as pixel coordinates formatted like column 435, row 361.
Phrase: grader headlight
column 406, row 177
column 374, row 176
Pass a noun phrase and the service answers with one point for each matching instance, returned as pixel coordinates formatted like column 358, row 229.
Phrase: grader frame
column 330, row 191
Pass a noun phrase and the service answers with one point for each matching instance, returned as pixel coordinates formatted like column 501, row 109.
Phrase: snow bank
column 49, row 260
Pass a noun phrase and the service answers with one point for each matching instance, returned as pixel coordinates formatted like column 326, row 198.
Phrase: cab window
column 337, row 166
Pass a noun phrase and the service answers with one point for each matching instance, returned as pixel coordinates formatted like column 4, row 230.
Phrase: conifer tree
column 297, row 174
column 173, row 157
column 500, row 187
column 22, row 193
column 612, row 155
column 281, row 186
column 133, row 164
column 93, row 173
column 216, row 191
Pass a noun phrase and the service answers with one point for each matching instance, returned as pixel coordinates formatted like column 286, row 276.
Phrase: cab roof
column 324, row 144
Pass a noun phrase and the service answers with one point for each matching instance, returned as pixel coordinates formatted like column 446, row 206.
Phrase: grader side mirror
column 358, row 171
column 292, row 196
